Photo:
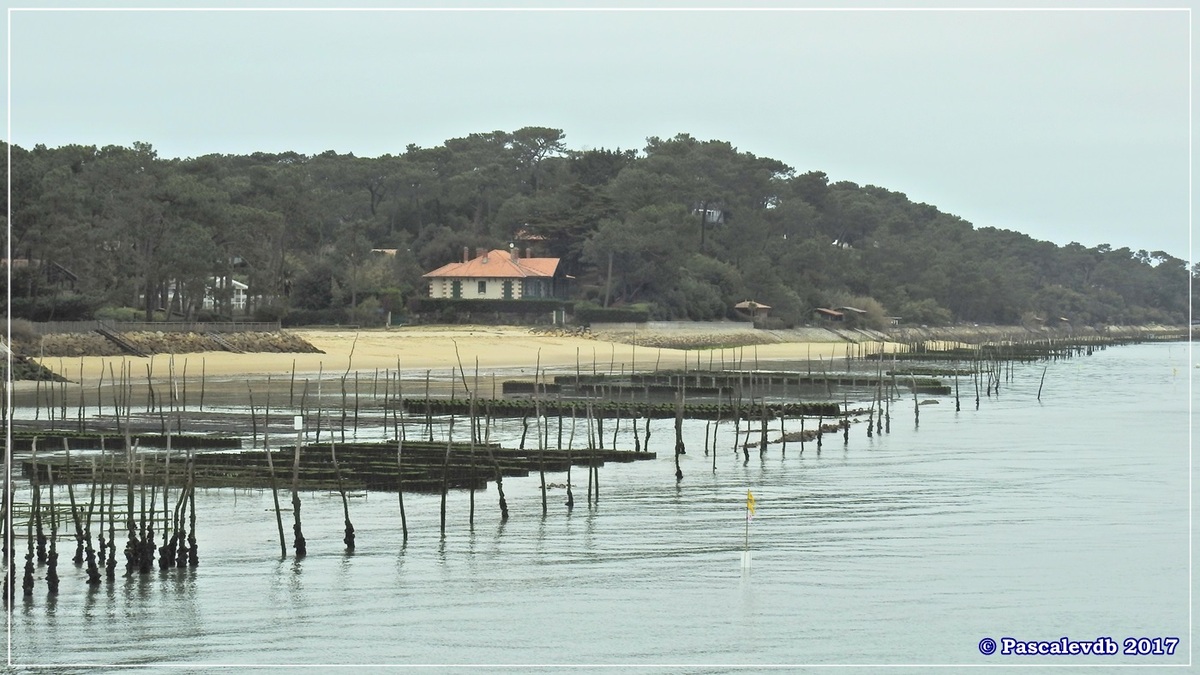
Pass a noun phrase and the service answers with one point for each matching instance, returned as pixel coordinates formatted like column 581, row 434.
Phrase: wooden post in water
column 27, row 584
column 355, row 431
column 52, row 556
column 82, row 398
column 342, row 424
column 782, row 431
column 349, row 538
column 179, row 542
column 570, row 442
column 975, row 364
column 537, row 411
column 193, row 549
column 957, row 405
column 762, row 442
column 172, row 399
column 110, row 567
column 871, row 415
column 400, row 449
column 92, row 572
column 35, row 509
column 599, row 413
column 749, row 430
column 617, row 417
column 487, row 444
column 164, row 550
column 132, row 544
column 102, row 546
column 138, row 552
column 271, row 471
column 717, row 425
column 79, row 533
column 679, row 447
column 299, row 544
column 182, row 398
column 253, row 418
column 879, row 394
column 146, row 558
column 591, row 451
column 472, row 415
column 320, row 403
column 633, row 421
column 428, row 409
column 446, row 463
column 845, row 420
column 916, row 406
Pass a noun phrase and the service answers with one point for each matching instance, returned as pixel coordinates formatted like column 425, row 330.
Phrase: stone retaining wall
column 158, row 342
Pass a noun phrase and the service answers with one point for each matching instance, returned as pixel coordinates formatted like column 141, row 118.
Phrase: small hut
column 752, row 310
column 826, row 314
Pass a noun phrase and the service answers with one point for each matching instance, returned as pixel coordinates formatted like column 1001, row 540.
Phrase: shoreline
column 508, row 351
column 514, row 352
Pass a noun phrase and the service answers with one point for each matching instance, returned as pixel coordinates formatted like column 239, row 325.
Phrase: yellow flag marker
column 750, row 502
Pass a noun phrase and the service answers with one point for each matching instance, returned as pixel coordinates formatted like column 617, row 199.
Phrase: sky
column 1068, row 125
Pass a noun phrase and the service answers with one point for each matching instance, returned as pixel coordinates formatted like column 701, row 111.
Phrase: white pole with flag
column 749, row 517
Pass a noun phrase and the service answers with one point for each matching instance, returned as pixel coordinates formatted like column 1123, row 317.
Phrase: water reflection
column 844, row 546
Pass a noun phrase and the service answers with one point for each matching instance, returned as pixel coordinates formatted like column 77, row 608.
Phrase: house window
column 536, row 288
column 456, row 289
column 507, row 289
column 483, row 288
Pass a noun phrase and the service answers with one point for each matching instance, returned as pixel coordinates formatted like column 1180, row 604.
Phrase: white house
column 238, row 301
column 498, row 275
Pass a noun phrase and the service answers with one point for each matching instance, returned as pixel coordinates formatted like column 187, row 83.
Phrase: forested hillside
column 684, row 228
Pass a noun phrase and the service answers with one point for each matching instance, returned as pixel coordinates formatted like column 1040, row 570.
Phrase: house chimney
column 514, row 253
column 528, row 253
column 485, row 255
column 466, row 254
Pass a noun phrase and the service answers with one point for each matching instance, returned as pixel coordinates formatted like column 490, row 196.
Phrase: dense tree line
column 684, row 228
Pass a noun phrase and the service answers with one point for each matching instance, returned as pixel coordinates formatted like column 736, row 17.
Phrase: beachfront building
column 218, row 287
column 219, row 293
column 826, row 314
column 498, row 275
column 752, row 310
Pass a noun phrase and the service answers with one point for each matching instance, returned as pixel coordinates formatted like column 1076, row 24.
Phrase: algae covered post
column 299, row 543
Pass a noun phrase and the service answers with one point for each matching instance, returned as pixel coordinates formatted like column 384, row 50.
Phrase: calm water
column 1067, row 517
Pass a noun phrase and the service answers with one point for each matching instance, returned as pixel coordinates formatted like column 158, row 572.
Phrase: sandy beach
column 509, row 350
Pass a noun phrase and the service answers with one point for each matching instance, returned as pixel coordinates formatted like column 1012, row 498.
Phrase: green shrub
column 533, row 306
column 588, row 313
column 269, row 313
column 120, row 314
column 332, row 316
column 61, row 307
column 23, row 331
column 369, row 312
column 448, row 310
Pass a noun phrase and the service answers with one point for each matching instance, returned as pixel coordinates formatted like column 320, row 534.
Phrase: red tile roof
column 497, row 264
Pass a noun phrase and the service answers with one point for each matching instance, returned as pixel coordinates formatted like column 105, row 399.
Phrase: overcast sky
column 1066, row 125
